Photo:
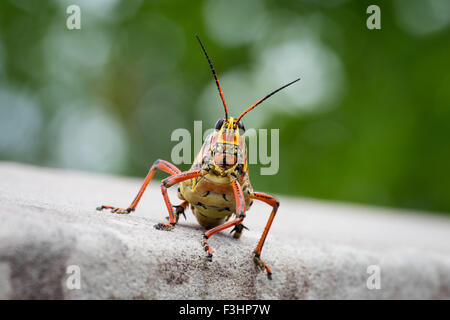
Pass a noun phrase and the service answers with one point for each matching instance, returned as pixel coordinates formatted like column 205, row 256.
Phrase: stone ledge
column 317, row 250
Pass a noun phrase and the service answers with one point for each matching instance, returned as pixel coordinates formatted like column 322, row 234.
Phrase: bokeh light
column 367, row 123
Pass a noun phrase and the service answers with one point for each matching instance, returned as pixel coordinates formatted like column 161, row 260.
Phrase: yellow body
column 211, row 196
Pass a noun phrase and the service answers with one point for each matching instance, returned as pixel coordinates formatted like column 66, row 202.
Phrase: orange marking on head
column 228, row 133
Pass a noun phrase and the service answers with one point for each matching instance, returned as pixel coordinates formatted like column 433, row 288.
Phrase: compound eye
column 219, row 124
column 241, row 127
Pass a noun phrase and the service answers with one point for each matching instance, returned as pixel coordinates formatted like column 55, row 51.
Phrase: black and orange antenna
column 215, row 78
column 266, row 97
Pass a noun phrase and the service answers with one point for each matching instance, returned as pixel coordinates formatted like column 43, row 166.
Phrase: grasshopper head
column 228, row 148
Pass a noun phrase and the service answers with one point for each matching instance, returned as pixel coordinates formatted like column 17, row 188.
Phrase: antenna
column 215, row 78
column 270, row 94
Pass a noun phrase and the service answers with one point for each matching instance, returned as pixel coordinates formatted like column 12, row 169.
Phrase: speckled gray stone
column 317, row 250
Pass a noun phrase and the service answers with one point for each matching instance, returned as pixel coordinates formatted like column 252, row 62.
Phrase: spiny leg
column 272, row 201
column 240, row 214
column 158, row 164
column 167, row 183
column 179, row 210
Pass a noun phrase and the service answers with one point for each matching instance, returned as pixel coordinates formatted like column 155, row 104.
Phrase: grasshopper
column 217, row 186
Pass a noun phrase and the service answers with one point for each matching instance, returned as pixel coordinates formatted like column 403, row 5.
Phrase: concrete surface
column 317, row 250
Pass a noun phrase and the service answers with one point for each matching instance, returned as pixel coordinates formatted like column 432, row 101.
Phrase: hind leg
column 240, row 214
column 272, row 201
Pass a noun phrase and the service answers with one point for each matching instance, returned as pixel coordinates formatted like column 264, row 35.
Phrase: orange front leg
column 240, row 214
column 167, row 183
column 272, row 201
column 159, row 164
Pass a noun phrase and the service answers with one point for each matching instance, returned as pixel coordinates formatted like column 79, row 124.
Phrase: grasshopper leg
column 240, row 213
column 158, row 164
column 272, row 201
column 207, row 247
column 167, row 183
column 115, row 209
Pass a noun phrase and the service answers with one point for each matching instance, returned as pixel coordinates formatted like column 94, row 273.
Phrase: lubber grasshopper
column 217, row 186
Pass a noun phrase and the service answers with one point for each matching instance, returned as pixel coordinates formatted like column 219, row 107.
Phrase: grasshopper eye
column 219, row 124
column 241, row 127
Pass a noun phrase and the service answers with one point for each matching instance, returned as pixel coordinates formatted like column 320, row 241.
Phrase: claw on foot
column 262, row 265
column 164, row 226
column 178, row 211
column 115, row 209
column 207, row 248
column 238, row 230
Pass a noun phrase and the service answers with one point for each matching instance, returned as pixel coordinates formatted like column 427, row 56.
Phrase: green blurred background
column 369, row 122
